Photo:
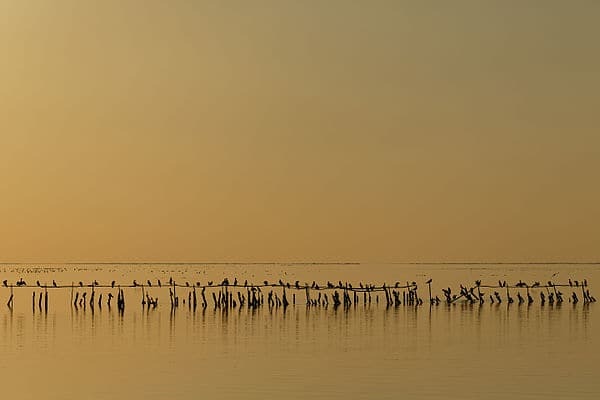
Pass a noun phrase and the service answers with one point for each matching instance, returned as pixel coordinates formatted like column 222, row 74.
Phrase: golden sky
column 299, row 130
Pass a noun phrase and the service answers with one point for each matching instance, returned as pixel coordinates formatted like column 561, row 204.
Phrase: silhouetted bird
column 570, row 283
column 429, row 281
column 112, row 284
column 80, row 284
column 134, row 283
column 159, row 284
column 210, row 283
column 54, row 283
column 266, row 283
column 5, row 283
column 149, row 283
column 38, row 283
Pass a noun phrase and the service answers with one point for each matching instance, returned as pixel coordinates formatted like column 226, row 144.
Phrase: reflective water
column 369, row 351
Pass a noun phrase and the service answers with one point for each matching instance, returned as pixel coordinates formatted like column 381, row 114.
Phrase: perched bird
column 159, row 284
column 5, row 283
column 38, row 283
column 54, row 283
column 134, row 283
column 112, row 284
column 149, row 283
column 80, row 284
column 429, row 281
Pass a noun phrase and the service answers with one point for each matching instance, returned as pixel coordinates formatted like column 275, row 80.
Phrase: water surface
column 466, row 351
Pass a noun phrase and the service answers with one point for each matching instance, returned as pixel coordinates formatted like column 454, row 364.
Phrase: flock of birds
column 409, row 294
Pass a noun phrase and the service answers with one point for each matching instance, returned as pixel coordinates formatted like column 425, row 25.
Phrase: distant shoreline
column 306, row 263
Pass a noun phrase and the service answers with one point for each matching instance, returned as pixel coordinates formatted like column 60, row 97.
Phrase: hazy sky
column 299, row 130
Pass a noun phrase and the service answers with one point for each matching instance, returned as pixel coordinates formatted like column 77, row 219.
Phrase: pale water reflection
column 466, row 351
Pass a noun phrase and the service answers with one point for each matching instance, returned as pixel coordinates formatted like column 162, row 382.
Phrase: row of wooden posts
column 253, row 296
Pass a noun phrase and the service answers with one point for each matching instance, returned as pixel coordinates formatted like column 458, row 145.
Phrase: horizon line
column 302, row 262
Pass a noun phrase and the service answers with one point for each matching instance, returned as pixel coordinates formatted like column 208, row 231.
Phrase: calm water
column 459, row 351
